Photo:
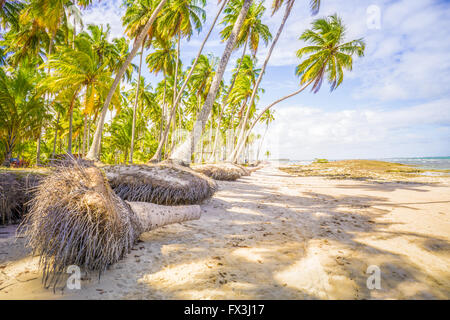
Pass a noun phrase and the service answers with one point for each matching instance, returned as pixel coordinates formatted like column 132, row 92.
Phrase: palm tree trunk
column 94, row 151
column 274, row 103
column 84, row 135
column 224, row 103
column 163, row 112
column 138, row 82
column 241, row 140
column 185, row 151
column 157, row 155
column 38, row 147
column 69, row 143
column 56, row 136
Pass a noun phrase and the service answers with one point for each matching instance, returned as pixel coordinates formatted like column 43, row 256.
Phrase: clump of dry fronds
column 75, row 218
column 163, row 183
column 222, row 171
column 15, row 191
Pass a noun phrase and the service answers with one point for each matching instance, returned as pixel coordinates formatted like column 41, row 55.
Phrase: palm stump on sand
column 163, row 183
column 76, row 219
column 222, row 171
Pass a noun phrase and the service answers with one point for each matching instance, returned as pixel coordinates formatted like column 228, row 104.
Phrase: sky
column 394, row 103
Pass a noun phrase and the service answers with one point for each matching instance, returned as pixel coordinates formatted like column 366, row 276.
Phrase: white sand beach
column 275, row 236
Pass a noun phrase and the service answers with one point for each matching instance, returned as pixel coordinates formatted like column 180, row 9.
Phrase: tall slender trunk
column 94, row 151
column 38, row 147
column 240, row 143
column 69, row 143
column 138, row 82
column 157, row 155
column 185, row 151
column 163, row 112
column 175, row 84
column 224, row 103
column 56, row 135
column 84, row 135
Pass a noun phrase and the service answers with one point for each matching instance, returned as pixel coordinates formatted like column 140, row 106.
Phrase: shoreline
column 276, row 236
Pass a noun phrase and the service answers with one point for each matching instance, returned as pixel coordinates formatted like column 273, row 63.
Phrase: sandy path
column 274, row 236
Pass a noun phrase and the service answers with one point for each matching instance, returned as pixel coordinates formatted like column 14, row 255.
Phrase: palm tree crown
column 328, row 55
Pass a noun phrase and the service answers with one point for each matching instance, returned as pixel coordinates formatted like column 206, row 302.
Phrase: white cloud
column 301, row 132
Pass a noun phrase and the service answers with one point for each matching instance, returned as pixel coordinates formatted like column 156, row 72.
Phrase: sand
column 274, row 236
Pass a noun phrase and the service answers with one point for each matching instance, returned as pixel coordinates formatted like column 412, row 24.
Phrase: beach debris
column 164, row 183
column 76, row 218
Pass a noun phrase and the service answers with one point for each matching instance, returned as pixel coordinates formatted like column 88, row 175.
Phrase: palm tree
column 315, row 5
column 137, row 14
column 22, row 108
column 185, row 151
column 157, row 155
column 327, row 57
column 251, row 32
column 267, row 118
column 162, row 60
column 75, row 70
column 183, row 17
column 94, row 151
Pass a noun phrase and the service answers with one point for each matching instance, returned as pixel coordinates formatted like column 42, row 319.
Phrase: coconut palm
column 157, row 155
column 327, row 57
column 251, row 32
column 184, row 17
column 315, row 5
column 75, row 70
column 94, row 151
column 267, row 118
column 22, row 108
column 137, row 14
column 184, row 152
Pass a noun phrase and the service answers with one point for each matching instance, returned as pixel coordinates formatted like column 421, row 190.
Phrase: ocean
column 439, row 163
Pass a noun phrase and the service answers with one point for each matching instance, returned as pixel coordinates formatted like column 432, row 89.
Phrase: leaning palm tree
column 157, row 155
column 327, row 57
column 137, row 14
column 252, row 31
column 94, row 151
column 315, row 5
column 184, row 152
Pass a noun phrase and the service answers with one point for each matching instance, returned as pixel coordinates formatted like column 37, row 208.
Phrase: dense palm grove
column 58, row 79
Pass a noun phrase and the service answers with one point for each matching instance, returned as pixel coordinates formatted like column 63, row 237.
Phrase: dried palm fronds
column 15, row 192
column 164, row 183
column 76, row 218
column 222, row 171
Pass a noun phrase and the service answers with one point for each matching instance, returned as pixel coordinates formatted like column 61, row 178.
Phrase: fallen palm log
column 164, row 183
column 220, row 171
column 16, row 190
column 76, row 218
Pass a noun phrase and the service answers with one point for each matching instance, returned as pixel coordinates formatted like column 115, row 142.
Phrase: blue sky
column 395, row 102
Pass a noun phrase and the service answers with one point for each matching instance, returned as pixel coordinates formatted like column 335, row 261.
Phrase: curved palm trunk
column 185, row 151
column 224, row 103
column 157, row 155
column 262, row 140
column 94, row 151
column 133, row 127
column 274, row 103
column 241, row 139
